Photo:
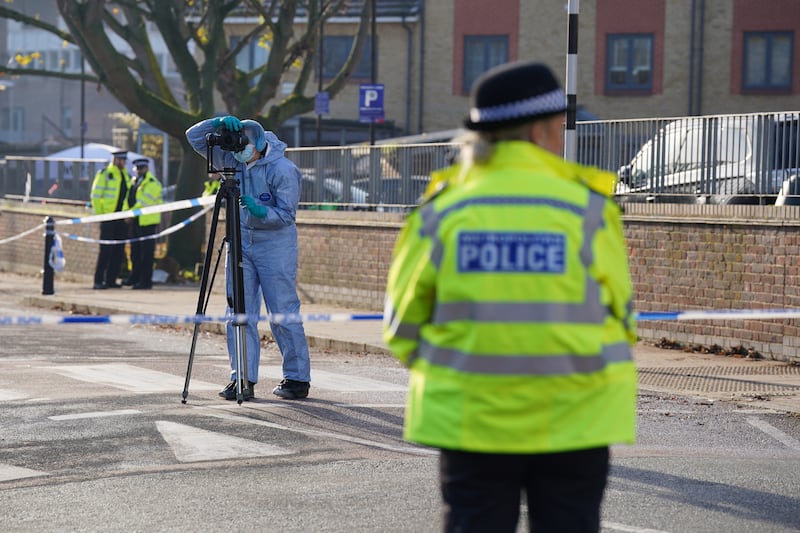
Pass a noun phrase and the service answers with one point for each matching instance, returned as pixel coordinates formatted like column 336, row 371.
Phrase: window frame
column 467, row 78
column 768, row 58
column 362, row 70
column 629, row 86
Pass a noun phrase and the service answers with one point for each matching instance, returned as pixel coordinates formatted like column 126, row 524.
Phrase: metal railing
column 718, row 159
column 382, row 178
column 753, row 158
column 59, row 178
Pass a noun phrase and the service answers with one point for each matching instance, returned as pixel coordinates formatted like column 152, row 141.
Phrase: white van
column 731, row 159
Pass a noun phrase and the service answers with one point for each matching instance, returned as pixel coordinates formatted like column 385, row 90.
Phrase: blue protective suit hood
column 255, row 133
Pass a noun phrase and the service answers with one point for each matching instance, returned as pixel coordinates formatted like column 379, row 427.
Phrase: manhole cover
column 722, row 378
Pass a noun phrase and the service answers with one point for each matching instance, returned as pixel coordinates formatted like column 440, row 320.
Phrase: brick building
column 636, row 58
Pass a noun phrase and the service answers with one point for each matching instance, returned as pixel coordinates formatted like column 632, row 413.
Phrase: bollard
column 47, row 281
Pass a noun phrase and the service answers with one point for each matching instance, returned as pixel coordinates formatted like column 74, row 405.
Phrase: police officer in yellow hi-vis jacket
column 109, row 195
column 145, row 191
column 509, row 300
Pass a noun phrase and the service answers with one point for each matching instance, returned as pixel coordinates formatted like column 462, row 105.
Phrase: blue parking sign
column 370, row 102
column 322, row 103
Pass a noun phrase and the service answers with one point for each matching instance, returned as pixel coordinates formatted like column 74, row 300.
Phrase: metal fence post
column 47, row 282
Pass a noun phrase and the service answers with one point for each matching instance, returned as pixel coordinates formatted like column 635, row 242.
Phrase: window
column 767, row 60
column 629, row 64
column 11, row 122
column 336, row 48
column 482, row 52
column 254, row 55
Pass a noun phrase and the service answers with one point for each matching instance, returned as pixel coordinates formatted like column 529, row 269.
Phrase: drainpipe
column 691, row 59
column 700, row 58
column 408, row 74
column 421, row 109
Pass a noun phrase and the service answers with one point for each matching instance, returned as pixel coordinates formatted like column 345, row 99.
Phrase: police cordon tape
column 203, row 201
column 167, row 231
column 35, row 320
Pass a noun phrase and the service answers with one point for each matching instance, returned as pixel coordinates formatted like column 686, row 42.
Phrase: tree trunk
column 186, row 246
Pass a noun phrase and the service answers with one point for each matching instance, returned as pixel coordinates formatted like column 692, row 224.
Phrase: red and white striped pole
column 570, row 133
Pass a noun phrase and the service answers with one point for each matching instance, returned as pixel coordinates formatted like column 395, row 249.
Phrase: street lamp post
column 373, row 67
column 83, row 103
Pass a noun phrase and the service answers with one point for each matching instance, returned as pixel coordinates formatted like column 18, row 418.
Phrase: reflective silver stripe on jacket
column 589, row 311
column 403, row 330
column 523, row 365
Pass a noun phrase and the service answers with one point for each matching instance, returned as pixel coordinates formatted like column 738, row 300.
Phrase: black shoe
column 141, row 286
column 290, row 389
column 229, row 392
column 99, row 286
column 128, row 283
column 113, row 286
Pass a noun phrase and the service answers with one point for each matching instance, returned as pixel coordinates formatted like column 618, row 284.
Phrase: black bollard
column 47, row 282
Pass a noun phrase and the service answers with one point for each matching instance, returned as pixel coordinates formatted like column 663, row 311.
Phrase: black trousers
column 142, row 253
column 110, row 258
column 482, row 492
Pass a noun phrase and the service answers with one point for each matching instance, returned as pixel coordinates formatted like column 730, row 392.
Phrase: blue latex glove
column 229, row 122
column 258, row 211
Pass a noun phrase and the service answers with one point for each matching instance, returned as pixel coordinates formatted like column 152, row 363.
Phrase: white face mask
column 245, row 155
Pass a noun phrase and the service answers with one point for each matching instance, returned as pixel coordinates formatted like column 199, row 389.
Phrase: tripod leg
column 201, row 300
column 234, row 236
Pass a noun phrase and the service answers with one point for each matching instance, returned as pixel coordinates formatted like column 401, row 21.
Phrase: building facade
column 636, row 59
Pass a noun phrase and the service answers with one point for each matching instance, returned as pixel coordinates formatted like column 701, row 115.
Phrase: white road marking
column 96, row 414
column 129, row 378
column 343, row 382
column 9, row 472
column 373, row 405
column 629, row 529
column 225, row 415
column 9, row 395
column 774, row 432
column 190, row 444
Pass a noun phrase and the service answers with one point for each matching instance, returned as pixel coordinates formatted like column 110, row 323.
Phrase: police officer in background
column 109, row 195
column 509, row 300
column 145, row 191
column 270, row 193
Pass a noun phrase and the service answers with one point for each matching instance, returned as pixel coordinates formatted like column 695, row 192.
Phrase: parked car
column 719, row 159
column 332, row 191
column 396, row 193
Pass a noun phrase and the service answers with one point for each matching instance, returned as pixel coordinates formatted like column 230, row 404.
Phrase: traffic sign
column 322, row 103
column 370, row 102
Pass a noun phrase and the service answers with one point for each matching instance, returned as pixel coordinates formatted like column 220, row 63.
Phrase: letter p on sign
column 370, row 102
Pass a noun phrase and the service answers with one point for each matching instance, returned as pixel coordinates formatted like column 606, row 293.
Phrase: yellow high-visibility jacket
column 509, row 299
column 210, row 187
column 148, row 193
column 106, row 189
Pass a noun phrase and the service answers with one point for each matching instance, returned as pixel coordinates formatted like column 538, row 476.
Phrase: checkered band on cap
column 551, row 102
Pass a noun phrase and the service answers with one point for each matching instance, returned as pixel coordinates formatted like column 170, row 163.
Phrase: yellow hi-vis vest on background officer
column 106, row 190
column 509, row 299
column 148, row 192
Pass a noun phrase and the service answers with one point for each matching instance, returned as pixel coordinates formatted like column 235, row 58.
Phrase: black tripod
column 229, row 193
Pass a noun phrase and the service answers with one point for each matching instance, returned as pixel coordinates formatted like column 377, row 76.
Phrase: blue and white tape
column 172, row 229
column 35, row 320
column 41, row 320
column 160, row 208
column 203, row 201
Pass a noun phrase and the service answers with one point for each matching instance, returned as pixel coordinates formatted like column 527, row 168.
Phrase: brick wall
column 682, row 257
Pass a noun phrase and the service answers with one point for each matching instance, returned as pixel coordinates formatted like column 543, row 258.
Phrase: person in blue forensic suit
column 270, row 192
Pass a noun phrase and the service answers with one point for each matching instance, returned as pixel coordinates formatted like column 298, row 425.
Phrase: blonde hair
column 478, row 146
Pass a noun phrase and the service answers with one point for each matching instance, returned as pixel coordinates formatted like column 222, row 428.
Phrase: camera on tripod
column 228, row 140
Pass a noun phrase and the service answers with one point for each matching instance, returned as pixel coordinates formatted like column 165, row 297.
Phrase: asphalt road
column 94, row 437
